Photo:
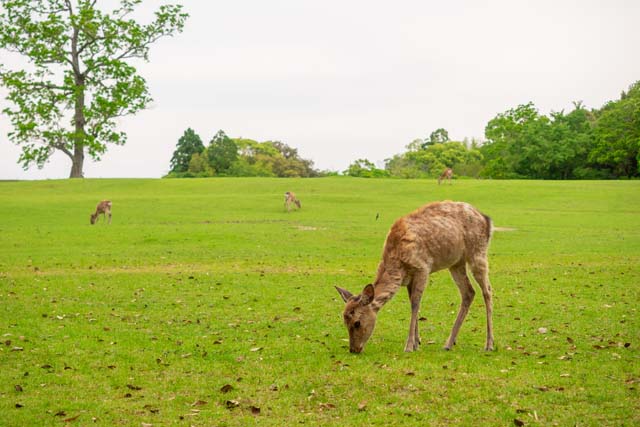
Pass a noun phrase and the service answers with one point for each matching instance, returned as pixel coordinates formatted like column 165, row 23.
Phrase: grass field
column 205, row 303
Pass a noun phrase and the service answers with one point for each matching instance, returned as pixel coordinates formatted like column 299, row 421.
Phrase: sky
column 342, row 80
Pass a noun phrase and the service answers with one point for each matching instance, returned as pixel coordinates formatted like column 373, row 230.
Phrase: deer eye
column 356, row 325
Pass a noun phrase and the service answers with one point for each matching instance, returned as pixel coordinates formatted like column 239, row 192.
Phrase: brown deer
column 289, row 199
column 446, row 174
column 434, row 237
column 104, row 208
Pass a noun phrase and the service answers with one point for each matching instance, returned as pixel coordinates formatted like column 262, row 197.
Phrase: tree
column 290, row 164
column 572, row 136
column 188, row 145
column 513, row 142
column 435, row 158
column 270, row 158
column 199, row 165
column 79, row 78
column 438, row 136
column 221, row 152
column 364, row 168
column 617, row 134
column 524, row 143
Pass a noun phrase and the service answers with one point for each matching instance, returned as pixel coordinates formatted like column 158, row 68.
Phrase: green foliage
column 422, row 161
column 289, row 164
column 202, row 283
column 79, row 79
column 199, row 165
column 246, row 157
column 188, row 145
column 438, row 136
column 363, row 168
column 523, row 143
column 617, row 134
column 221, row 152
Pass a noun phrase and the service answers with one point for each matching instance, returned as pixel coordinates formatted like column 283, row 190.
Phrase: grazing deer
column 290, row 198
column 447, row 174
column 434, row 237
column 104, row 208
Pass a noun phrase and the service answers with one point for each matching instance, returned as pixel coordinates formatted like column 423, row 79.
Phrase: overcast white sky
column 341, row 80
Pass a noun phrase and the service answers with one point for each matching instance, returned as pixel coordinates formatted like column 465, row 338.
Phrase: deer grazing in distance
column 445, row 175
column 436, row 236
column 104, row 208
column 289, row 199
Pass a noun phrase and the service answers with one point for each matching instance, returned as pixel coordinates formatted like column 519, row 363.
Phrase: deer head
column 359, row 317
column 94, row 216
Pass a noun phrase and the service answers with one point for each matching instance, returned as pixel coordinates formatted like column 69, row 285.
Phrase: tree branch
column 60, row 146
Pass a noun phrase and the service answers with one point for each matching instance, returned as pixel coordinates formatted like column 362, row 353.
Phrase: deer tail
column 488, row 226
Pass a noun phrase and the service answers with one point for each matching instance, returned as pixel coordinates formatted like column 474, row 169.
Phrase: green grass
column 199, row 284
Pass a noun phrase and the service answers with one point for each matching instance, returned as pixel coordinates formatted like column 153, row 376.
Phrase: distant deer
column 104, row 208
column 434, row 237
column 290, row 198
column 446, row 174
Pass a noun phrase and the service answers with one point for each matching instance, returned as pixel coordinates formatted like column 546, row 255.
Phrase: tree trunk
column 79, row 118
column 77, row 162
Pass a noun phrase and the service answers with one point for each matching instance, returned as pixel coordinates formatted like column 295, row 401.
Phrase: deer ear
column 367, row 295
column 345, row 294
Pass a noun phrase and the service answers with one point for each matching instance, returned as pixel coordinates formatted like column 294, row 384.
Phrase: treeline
column 225, row 156
column 519, row 143
column 522, row 143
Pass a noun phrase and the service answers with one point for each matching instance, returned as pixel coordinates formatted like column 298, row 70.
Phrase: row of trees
column 225, row 156
column 522, row 143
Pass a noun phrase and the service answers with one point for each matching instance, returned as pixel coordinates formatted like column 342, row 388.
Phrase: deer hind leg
column 459, row 274
column 109, row 213
column 416, row 288
column 480, row 270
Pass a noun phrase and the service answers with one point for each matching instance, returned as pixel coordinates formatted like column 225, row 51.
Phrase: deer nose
column 355, row 350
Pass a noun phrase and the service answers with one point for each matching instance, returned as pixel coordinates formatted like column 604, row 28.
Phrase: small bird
column 377, row 215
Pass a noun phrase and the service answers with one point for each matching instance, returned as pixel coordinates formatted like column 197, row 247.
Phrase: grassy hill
column 205, row 303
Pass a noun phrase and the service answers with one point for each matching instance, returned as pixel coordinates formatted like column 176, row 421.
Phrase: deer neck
column 387, row 283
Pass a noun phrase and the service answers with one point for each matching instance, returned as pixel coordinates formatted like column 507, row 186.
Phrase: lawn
column 205, row 303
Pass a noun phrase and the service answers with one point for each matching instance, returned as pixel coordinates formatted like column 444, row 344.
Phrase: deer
column 104, row 208
column 445, row 175
column 438, row 235
column 289, row 199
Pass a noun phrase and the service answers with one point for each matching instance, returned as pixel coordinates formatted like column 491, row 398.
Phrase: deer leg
column 459, row 274
column 109, row 217
column 416, row 288
column 480, row 269
column 412, row 329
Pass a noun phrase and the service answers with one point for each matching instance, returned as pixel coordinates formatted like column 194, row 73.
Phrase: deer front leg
column 416, row 288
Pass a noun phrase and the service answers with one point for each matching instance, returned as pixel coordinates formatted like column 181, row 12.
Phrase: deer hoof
column 410, row 347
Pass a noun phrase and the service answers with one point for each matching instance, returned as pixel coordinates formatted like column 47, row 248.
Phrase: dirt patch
column 504, row 229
